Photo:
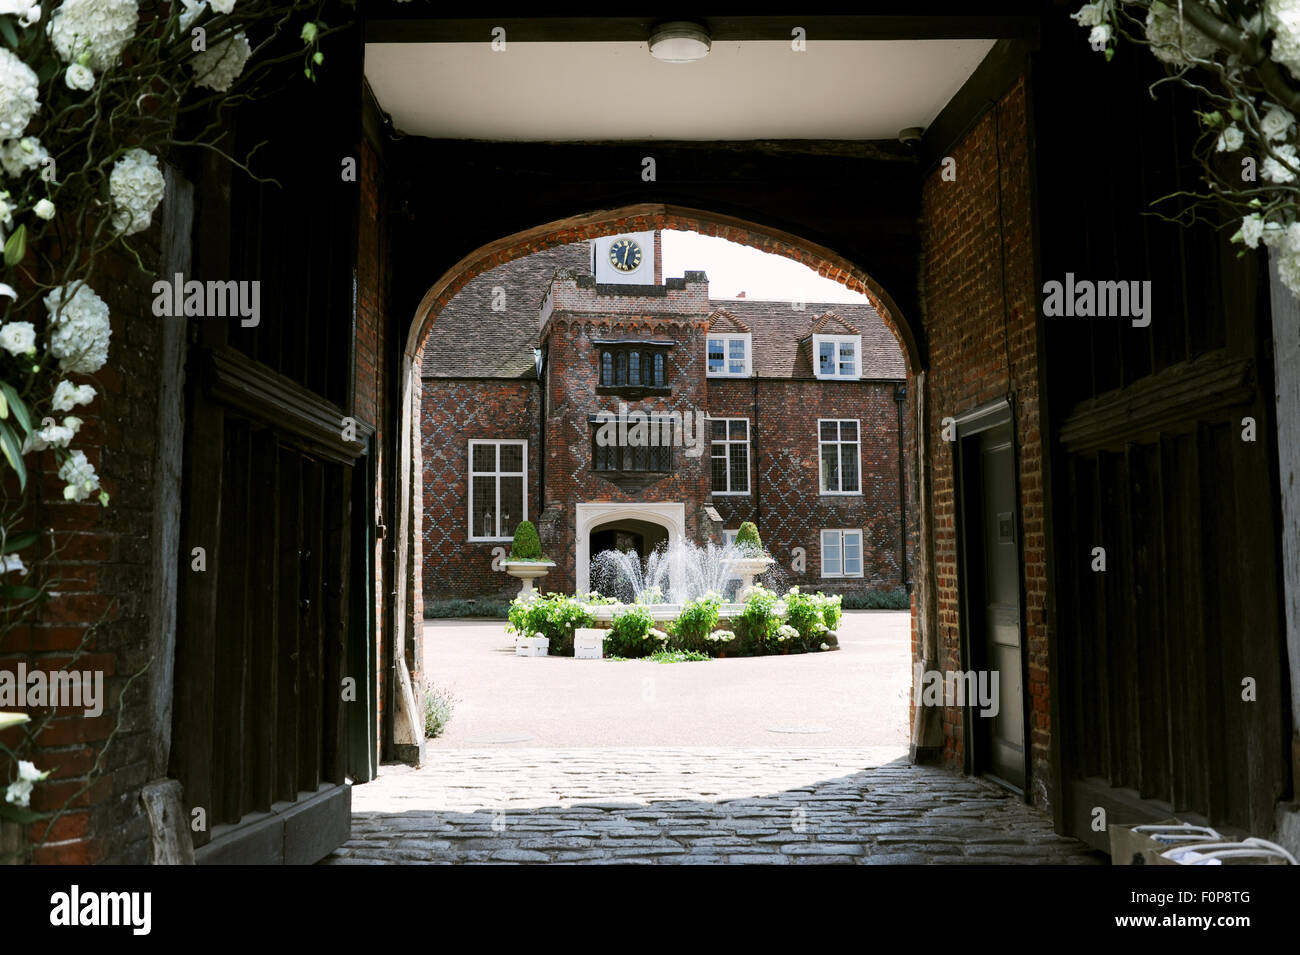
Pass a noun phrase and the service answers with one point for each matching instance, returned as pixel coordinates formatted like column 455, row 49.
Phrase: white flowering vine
column 92, row 93
column 1243, row 59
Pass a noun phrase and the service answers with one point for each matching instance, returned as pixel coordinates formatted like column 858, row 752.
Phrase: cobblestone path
column 691, row 806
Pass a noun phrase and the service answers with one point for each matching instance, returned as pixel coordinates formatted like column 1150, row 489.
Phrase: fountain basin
column 605, row 613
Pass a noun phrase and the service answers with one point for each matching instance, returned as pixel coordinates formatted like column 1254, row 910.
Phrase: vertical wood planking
column 288, row 624
column 312, row 636
column 264, row 596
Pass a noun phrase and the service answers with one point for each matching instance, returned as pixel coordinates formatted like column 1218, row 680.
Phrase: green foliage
column 693, row 625
column 632, row 634
column 526, row 545
column 806, row 614
column 438, row 706
column 495, row 609
column 677, row 656
column 756, row 624
column 747, row 538
column 895, row 599
column 554, row 616
column 831, row 612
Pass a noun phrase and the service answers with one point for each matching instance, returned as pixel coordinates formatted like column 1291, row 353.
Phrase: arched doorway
column 664, row 523
column 641, row 217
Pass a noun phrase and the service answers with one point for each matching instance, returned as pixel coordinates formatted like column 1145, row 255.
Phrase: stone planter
column 532, row 646
column 588, row 643
column 746, row 568
column 528, row 571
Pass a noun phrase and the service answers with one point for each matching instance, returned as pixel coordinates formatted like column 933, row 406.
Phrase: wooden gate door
column 1172, row 694
column 269, row 542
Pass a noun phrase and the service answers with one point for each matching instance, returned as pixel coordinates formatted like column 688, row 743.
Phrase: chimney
column 659, row 258
column 740, row 295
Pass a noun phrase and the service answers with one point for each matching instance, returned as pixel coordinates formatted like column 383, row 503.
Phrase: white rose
column 80, row 477
column 79, row 77
column 19, row 793
column 1252, row 230
column 18, row 338
column 1230, row 139
column 67, row 396
column 44, row 209
column 1099, row 36
column 222, row 6
column 1274, row 171
column 12, row 562
column 1276, row 122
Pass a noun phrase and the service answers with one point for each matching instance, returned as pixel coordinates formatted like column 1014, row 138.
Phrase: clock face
column 625, row 255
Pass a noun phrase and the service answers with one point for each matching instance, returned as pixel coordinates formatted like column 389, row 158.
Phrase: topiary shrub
column 747, row 538
column 526, row 545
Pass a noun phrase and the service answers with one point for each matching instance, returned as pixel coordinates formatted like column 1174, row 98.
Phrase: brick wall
column 785, row 502
column 976, row 248
column 452, row 413
column 100, row 580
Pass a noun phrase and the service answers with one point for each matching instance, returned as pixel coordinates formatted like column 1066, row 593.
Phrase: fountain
column 672, row 576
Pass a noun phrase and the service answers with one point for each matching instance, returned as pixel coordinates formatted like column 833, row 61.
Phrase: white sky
column 736, row 268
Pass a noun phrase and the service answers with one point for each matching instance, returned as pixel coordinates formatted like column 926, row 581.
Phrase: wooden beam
column 901, row 23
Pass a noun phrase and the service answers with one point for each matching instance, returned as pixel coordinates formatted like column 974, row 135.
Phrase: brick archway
column 408, row 616
column 648, row 216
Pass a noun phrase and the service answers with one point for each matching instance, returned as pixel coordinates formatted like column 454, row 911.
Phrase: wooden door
column 990, row 580
column 1164, row 478
column 270, row 674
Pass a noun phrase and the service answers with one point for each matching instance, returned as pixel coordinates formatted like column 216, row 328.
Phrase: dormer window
column 728, row 356
column 836, row 356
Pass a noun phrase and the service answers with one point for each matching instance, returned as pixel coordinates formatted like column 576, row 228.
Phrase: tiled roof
column 470, row 340
column 723, row 321
column 778, row 330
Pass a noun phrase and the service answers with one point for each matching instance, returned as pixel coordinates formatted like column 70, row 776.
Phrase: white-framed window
column 837, row 356
column 729, row 461
column 839, row 456
column 498, row 489
column 728, row 356
column 729, row 536
column 842, row 552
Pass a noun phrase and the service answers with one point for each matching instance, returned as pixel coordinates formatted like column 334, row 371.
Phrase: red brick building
column 787, row 414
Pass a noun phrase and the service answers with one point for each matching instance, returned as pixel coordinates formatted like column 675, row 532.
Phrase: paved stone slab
column 692, row 805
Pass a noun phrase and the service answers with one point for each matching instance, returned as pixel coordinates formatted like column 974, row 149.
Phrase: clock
column 625, row 255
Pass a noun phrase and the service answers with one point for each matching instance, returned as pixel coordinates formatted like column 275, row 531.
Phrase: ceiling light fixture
column 679, row 42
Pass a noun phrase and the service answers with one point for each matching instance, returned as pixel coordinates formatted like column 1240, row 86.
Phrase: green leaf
column 18, row 592
column 4, row 406
column 16, row 247
column 16, row 542
column 10, row 34
column 48, row 70
column 12, row 813
column 13, row 453
column 17, row 406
